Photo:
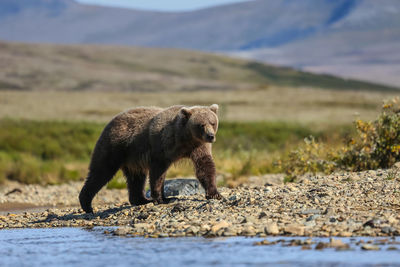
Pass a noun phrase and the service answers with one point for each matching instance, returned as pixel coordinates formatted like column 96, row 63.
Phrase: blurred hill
column 351, row 38
column 38, row 67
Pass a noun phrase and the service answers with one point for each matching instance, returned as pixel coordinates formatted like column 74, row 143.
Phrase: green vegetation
column 375, row 145
column 45, row 152
column 50, row 152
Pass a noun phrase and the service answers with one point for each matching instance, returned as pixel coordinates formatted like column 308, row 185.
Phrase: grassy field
column 306, row 106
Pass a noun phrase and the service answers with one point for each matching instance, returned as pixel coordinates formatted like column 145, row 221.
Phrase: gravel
column 342, row 204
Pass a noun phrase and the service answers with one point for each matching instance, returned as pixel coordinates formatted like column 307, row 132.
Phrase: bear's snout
column 210, row 137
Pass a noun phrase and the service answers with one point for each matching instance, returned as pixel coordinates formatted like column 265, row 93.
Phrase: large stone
column 294, row 229
column 181, row 187
column 271, row 229
column 248, row 230
column 122, row 231
column 219, row 225
column 338, row 244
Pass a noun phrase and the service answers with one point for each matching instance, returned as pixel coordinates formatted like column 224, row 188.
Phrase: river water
column 83, row 247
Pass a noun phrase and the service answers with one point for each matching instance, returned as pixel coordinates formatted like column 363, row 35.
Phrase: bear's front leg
column 158, row 171
column 206, row 173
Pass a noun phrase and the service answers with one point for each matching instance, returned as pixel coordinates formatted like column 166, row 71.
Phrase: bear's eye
column 212, row 124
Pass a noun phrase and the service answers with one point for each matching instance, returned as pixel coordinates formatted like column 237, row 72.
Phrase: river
column 84, row 247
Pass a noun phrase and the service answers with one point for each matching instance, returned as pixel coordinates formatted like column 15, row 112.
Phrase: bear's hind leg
column 136, row 181
column 97, row 178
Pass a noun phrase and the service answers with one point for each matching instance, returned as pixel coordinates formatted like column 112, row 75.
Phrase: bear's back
column 131, row 125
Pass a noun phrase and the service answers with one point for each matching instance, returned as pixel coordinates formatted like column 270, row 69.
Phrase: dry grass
column 300, row 105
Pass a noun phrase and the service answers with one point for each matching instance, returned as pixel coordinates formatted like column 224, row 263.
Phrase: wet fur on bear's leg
column 136, row 181
column 206, row 172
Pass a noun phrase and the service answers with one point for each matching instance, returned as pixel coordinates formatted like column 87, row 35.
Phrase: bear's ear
column 186, row 112
column 214, row 108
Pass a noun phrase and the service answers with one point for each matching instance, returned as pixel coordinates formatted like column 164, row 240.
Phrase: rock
column 321, row 245
column 144, row 226
column 392, row 220
column 181, row 187
column 249, row 219
column 313, row 217
column 338, row 244
column 264, row 242
column 369, row 247
column 233, row 198
column 219, row 225
column 388, row 230
column 230, row 231
column 310, row 224
column 345, row 234
column 294, row 229
column 271, row 229
column 372, row 223
column 122, row 231
column 192, row 230
column 248, row 230
column 163, row 235
column 205, row 228
column 273, row 179
column 262, row 215
column 311, row 211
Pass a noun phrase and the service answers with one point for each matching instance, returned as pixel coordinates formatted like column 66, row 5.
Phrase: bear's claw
column 142, row 201
column 214, row 196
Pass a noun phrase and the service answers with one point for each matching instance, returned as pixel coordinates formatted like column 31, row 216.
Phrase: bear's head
column 202, row 122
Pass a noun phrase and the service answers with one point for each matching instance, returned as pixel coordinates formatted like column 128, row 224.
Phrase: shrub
column 312, row 157
column 375, row 145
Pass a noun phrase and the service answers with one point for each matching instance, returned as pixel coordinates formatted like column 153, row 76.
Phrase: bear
column 146, row 141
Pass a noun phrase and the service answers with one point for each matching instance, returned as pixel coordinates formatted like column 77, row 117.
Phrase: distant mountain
column 353, row 38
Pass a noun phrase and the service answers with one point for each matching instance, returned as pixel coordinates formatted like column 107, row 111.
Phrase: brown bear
column 147, row 140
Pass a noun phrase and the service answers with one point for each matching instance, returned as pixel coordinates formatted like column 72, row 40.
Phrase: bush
column 312, row 157
column 375, row 145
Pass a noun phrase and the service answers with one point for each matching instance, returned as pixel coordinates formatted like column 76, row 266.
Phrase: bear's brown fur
column 148, row 140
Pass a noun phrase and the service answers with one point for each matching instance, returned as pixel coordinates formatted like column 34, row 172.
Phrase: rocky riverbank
column 341, row 204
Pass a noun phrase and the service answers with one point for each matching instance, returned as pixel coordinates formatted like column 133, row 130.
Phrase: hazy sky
column 164, row 5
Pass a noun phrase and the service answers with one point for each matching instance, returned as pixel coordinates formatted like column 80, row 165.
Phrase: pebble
column 369, row 247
